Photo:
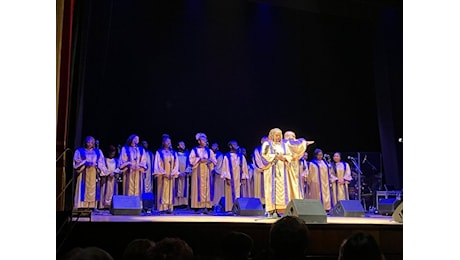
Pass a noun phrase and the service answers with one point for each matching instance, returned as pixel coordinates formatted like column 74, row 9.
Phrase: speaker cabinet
column 388, row 206
column 348, row 208
column 248, row 207
column 398, row 214
column 125, row 205
column 148, row 201
column 311, row 211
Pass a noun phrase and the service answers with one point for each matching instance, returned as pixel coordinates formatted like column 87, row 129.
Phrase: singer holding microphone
column 166, row 169
column 133, row 163
column 319, row 180
column 276, row 185
column 341, row 177
column 203, row 160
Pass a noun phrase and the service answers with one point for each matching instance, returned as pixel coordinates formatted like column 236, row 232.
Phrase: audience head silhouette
column 172, row 249
column 289, row 238
column 237, row 246
column 360, row 246
column 138, row 249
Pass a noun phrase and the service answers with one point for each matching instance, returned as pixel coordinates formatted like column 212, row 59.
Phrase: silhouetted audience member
column 138, row 249
column 88, row 253
column 172, row 249
column 288, row 238
column 360, row 246
column 237, row 246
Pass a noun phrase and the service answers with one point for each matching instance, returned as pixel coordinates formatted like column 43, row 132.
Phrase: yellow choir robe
column 201, row 176
column 340, row 190
column 133, row 174
column 87, row 188
column 109, row 183
column 165, row 170
column 182, row 182
column 319, row 185
column 260, row 165
column 297, row 149
column 235, row 170
column 276, row 183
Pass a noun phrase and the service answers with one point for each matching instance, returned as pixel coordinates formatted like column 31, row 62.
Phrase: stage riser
column 205, row 238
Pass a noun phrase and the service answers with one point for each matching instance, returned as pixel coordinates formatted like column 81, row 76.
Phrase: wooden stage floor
column 105, row 216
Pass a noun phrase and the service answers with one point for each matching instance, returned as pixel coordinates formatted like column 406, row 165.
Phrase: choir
column 204, row 178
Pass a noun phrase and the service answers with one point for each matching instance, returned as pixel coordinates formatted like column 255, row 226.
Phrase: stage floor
column 188, row 217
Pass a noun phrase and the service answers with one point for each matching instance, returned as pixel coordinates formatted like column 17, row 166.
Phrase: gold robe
column 182, row 182
column 133, row 175
column 276, row 184
column 109, row 183
column 201, row 177
column 87, row 185
column 319, row 185
column 234, row 169
column 297, row 149
column 166, row 169
column 340, row 190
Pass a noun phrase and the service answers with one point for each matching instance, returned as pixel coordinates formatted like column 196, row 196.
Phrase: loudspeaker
column 248, row 207
column 311, row 211
column 348, row 208
column 125, row 205
column 388, row 206
column 398, row 214
column 148, row 200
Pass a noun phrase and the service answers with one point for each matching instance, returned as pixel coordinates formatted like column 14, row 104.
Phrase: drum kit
column 367, row 187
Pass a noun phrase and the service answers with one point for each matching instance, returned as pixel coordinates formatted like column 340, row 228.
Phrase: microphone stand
column 359, row 176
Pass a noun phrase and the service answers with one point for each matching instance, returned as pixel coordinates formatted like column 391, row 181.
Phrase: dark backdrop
column 231, row 69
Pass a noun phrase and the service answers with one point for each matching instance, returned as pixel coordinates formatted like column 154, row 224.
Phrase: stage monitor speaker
column 311, row 211
column 248, row 207
column 388, row 206
column 148, row 200
column 398, row 214
column 126, row 205
column 348, row 208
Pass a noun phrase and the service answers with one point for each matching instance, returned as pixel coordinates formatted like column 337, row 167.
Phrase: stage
column 203, row 232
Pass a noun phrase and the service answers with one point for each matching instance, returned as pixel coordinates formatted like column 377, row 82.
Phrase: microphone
column 365, row 158
column 351, row 158
column 97, row 144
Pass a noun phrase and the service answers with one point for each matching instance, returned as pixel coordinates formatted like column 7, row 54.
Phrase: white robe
column 217, row 181
column 260, row 165
column 234, row 169
column 182, row 187
column 109, row 183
